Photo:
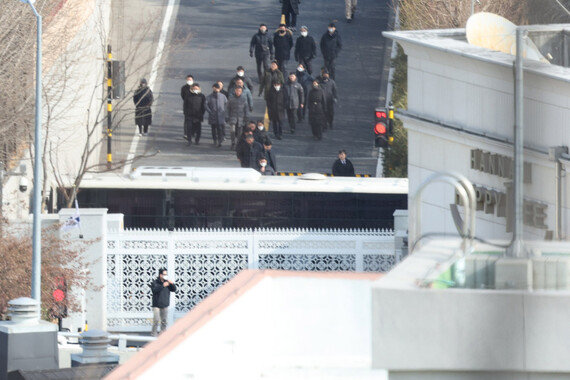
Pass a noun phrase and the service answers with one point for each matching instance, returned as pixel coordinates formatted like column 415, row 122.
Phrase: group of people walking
column 291, row 97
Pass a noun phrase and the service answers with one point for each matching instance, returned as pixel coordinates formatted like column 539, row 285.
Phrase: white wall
column 280, row 323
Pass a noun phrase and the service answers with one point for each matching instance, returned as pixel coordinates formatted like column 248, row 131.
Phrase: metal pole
column 516, row 249
column 37, row 203
column 109, row 106
column 558, row 206
column 472, row 7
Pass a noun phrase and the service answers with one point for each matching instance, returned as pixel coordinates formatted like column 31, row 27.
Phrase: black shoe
column 220, row 144
column 197, row 142
column 279, row 137
column 348, row 20
column 292, row 131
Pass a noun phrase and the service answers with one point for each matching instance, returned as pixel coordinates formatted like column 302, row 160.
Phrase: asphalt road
column 219, row 32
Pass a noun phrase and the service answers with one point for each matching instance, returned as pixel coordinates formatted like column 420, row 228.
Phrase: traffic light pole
column 109, row 106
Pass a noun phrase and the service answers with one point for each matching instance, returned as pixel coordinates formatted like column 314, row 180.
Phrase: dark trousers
column 329, row 114
column 143, row 129
column 300, row 113
column 291, row 115
column 330, row 65
column 308, row 64
column 277, row 127
column 290, row 16
column 282, row 66
column 317, row 128
column 187, row 125
column 195, row 130
column 217, row 132
column 262, row 61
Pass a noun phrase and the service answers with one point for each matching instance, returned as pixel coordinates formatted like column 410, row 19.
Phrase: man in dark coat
column 271, row 76
column 290, row 8
column 185, row 92
column 316, row 105
column 276, row 104
column 295, row 99
column 259, row 133
column 263, row 167
column 282, row 42
column 331, row 44
column 240, row 74
column 306, row 81
column 262, row 45
column 248, row 151
column 269, row 154
column 342, row 167
column 161, row 288
column 328, row 86
column 194, row 109
column 143, row 99
column 305, row 49
column 216, row 104
column 238, row 112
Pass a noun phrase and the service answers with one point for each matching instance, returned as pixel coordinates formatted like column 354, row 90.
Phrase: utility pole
column 109, row 106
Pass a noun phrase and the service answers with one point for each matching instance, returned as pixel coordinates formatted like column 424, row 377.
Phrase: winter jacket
column 259, row 136
column 247, row 154
column 343, row 170
column 305, row 48
column 295, row 95
column 283, row 45
column 216, row 104
column 316, row 105
column 261, row 44
column 195, row 106
column 248, row 97
column 271, row 160
column 294, row 5
column 276, row 101
column 246, row 82
column 268, row 79
column 143, row 99
column 238, row 110
column 185, row 91
column 331, row 45
column 306, row 80
column 161, row 293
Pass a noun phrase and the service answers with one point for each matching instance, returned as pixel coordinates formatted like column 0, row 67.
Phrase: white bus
column 186, row 197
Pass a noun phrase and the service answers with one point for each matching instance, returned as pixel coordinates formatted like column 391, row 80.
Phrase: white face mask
column 304, row 34
column 260, row 127
column 277, row 88
column 300, row 69
column 263, row 164
column 197, row 91
column 165, row 277
column 240, row 73
column 189, row 82
column 331, row 30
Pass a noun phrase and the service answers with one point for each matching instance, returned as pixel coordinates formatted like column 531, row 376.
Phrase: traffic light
column 381, row 127
column 59, row 296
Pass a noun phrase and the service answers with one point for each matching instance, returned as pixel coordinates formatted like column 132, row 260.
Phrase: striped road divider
column 296, row 174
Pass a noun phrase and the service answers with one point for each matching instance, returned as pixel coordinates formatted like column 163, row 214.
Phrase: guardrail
column 121, row 338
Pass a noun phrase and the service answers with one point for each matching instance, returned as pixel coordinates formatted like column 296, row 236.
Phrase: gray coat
column 238, row 111
column 247, row 95
column 295, row 95
column 216, row 107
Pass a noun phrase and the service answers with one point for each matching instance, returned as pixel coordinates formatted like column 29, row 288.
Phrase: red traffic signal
column 380, row 129
column 58, row 295
column 381, row 114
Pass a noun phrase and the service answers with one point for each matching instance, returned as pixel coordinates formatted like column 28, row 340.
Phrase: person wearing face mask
column 196, row 109
column 248, row 150
column 185, row 93
column 306, row 81
column 259, row 133
column 269, row 154
column 316, row 105
column 262, row 45
column 216, row 104
column 161, row 288
column 305, row 49
column 290, row 8
column 245, row 93
column 331, row 45
column 328, row 86
column 272, row 75
column 276, row 105
column 295, row 99
column 240, row 74
column 143, row 100
column 283, row 42
column 263, row 167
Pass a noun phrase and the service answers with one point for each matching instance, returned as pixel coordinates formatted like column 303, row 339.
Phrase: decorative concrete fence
column 201, row 260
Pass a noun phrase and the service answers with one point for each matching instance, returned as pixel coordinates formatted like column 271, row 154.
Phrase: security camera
column 23, row 184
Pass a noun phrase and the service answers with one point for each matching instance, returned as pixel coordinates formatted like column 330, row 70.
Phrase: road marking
column 153, row 75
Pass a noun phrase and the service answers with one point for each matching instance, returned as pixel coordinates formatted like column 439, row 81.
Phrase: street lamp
column 37, row 204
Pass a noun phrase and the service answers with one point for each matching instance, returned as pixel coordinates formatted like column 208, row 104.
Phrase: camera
column 23, row 184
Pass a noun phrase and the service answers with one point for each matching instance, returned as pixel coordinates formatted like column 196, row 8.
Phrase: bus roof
column 239, row 179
